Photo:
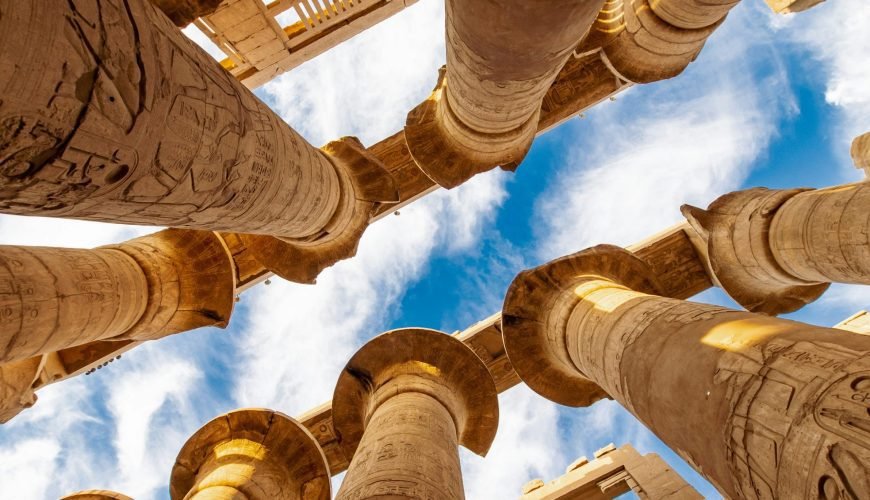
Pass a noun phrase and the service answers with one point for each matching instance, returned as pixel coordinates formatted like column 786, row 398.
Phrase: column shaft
column 484, row 110
column 168, row 282
column 763, row 407
column 409, row 450
column 109, row 113
column 52, row 298
column 823, row 235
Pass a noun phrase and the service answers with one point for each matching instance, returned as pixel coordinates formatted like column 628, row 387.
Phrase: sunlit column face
column 409, row 449
column 763, row 407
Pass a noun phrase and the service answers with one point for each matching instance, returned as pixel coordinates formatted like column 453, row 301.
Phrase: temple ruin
column 109, row 113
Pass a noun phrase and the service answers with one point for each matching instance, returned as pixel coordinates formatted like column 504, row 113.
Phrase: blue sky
column 772, row 101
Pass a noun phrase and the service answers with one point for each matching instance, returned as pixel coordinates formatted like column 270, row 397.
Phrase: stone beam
column 256, row 454
column 762, row 407
column 402, row 406
column 774, row 251
column 790, row 6
column 111, row 114
column 258, row 48
column 613, row 472
column 856, row 323
column 484, row 110
column 184, row 12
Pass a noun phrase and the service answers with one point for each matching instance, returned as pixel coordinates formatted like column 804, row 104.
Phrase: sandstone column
column 96, row 495
column 860, row 152
column 775, row 250
column 646, row 41
column 256, row 454
column 109, row 113
column 763, row 407
column 168, row 282
column 402, row 405
column 502, row 57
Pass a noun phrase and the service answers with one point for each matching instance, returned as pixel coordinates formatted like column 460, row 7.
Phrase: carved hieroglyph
column 614, row 471
column 775, row 250
column 763, row 407
column 402, row 405
column 109, row 113
column 484, row 110
column 167, row 282
column 256, row 454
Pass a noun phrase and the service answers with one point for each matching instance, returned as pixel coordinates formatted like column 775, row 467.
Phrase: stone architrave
column 762, row 407
column 146, row 288
column 790, row 6
column 96, row 495
column 650, row 40
column 184, row 12
column 402, row 406
column 109, row 113
column 774, row 251
column 484, row 110
column 256, row 454
column 613, row 472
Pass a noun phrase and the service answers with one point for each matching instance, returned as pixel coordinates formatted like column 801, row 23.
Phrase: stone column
column 646, row 41
column 860, row 152
column 109, row 113
column 775, row 250
column 402, row 405
column 96, row 495
column 255, row 454
column 763, row 407
column 790, row 6
column 502, row 57
column 167, row 282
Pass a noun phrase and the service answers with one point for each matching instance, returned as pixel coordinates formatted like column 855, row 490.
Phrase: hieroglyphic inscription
column 128, row 121
column 409, row 450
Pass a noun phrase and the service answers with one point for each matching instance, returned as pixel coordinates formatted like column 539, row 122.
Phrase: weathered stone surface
column 623, row 470
column 856, row 323
column 402, row 405
column 146, row 288
column 775, row 250
column 789, row 6
column 640, row 43
column 184, row 12
column 860, row 152
column 124, row 119
column 484, row 110
column 762, row 407
column 256, row 454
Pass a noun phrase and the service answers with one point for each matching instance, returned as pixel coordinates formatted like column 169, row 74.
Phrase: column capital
column 96, row 495
column 736, row 227
column 539, row 301
column 264, row 453
column 365, row 184
column 417, row 360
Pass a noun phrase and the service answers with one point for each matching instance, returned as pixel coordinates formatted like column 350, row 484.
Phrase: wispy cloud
column 837, row 37
column 682, row 141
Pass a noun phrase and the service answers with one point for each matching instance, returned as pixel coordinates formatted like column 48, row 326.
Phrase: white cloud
column 149, row 405
column 687, row 140
column 69, row 233
column 366, row 85
column 300, row 336
column 837, row 36
column 528, row 445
